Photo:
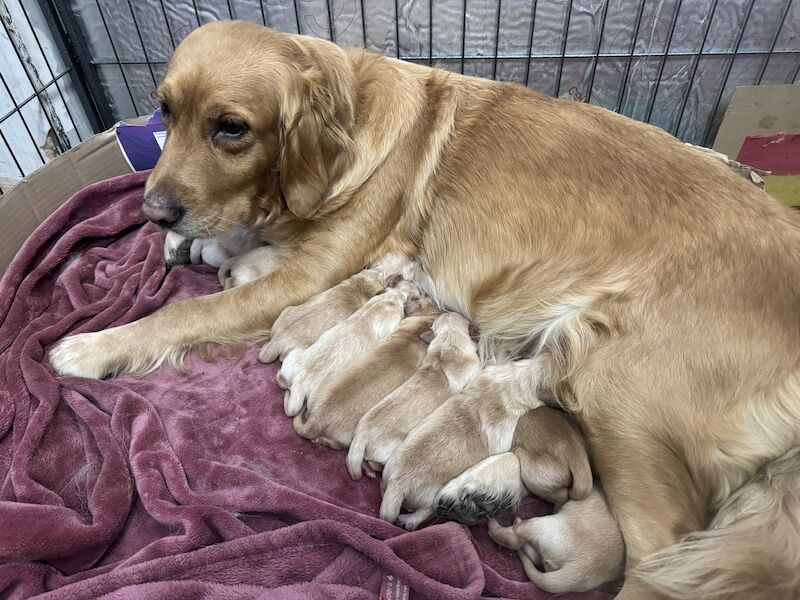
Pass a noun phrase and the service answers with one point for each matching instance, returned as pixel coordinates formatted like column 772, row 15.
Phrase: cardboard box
column 38, row 195
column 758, row 110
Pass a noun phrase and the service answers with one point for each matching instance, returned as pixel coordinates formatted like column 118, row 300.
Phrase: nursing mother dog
column 656, row 291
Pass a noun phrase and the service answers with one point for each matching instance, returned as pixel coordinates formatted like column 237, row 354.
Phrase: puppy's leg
column 237, row 315
column 176, row 249
column 506, row 536
column 410, row 521
column 491, row 487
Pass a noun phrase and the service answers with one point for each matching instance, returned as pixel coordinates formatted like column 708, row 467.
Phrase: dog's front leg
column 237, row 315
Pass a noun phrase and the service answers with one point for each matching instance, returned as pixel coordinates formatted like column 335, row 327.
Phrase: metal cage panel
column 673, row 63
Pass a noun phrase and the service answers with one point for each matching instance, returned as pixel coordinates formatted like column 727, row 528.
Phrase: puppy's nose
column 162, row 209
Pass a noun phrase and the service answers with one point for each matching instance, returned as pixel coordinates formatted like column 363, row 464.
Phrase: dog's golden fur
column 663, row 289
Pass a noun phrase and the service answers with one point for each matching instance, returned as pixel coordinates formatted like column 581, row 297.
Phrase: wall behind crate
column 673, row 63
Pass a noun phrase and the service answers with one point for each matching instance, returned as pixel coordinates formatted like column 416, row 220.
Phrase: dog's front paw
column 84, row 355
column 176, row 249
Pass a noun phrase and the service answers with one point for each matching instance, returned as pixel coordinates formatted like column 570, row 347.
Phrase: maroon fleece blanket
column 182, row 486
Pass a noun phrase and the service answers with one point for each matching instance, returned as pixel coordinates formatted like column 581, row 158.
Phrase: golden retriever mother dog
column 661, row 289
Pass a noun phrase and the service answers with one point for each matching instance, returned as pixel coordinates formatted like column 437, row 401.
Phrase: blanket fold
column 182, row 485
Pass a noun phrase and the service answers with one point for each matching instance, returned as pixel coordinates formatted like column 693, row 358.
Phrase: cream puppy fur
column 548, row 458
column 300, row 326
column 574, row 550
column 450, row 363
column 305, row 372
column 471, row 425
column 366, row 381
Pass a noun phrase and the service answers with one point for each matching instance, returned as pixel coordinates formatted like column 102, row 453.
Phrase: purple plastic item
column 141, row 144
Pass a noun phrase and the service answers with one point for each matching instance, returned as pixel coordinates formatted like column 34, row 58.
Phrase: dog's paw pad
column 472, row 506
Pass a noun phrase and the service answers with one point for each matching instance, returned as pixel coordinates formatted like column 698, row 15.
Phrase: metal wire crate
column 673, row 63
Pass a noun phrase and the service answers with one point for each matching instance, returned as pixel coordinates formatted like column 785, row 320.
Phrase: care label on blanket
column 393, row 588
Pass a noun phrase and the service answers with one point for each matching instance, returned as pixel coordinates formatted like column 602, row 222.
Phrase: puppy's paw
column 410, row 521
column 91, row 355
column 176, row 249
column 491, row 487
column 269, row 352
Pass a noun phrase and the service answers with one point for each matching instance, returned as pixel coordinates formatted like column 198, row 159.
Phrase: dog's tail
column 355, row 456
column 751, row 550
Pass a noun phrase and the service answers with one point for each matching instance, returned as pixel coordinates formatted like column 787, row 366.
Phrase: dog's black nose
column 162, row 210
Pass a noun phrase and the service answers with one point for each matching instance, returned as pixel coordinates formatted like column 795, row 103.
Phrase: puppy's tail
column 355, row 456
column 751, row 550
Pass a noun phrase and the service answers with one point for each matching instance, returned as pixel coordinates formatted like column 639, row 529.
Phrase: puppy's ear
column 427, row 336
column 317, row 113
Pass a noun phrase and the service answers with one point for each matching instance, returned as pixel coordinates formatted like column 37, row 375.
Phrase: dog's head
column 258, row 122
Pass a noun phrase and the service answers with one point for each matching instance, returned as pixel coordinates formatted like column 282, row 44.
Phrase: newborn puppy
column 210, row 251
column 450, row 363
column 300, row 326
column 548, row 458
column 305, row 370
column 247, row 267
column 362, row 384
column 574, row 550
column 471, row 425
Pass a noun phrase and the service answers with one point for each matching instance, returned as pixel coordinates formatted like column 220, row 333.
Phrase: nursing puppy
column 574, row 550
column 548, row 458
column 300, row 326
column 450, row 363
column 365, row 382
column 305, row 370
column 470, row 426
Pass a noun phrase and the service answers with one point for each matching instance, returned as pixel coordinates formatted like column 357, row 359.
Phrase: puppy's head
column 258, row 125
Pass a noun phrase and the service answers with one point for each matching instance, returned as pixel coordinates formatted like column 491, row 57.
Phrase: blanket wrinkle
column 178, row 485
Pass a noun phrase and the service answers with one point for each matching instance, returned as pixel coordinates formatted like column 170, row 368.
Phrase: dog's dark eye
column 231, row 129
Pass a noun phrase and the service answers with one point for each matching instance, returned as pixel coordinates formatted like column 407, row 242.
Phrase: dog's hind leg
column 651, row 492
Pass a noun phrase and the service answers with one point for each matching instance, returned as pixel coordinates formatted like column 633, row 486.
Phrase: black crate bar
column 69, row 40
column 598, row 47
column 623, row 92
column 778, row 30
column 693, row 69
column 728, row 68
column 53, row 77
column 25, row 61
column 563, row 52
column 652, row 101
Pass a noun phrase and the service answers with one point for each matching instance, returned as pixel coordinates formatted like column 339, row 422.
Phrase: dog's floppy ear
column 317, row 114
column 427, row 336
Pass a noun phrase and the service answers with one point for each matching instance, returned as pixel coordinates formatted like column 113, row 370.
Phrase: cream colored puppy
column 305, row 370
column 471, row 425
column 366, row 381
column 450, row 363
column 574, row 550
column 548, row 458
column 211, row 251
column 244, row 268
column 300, row 326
